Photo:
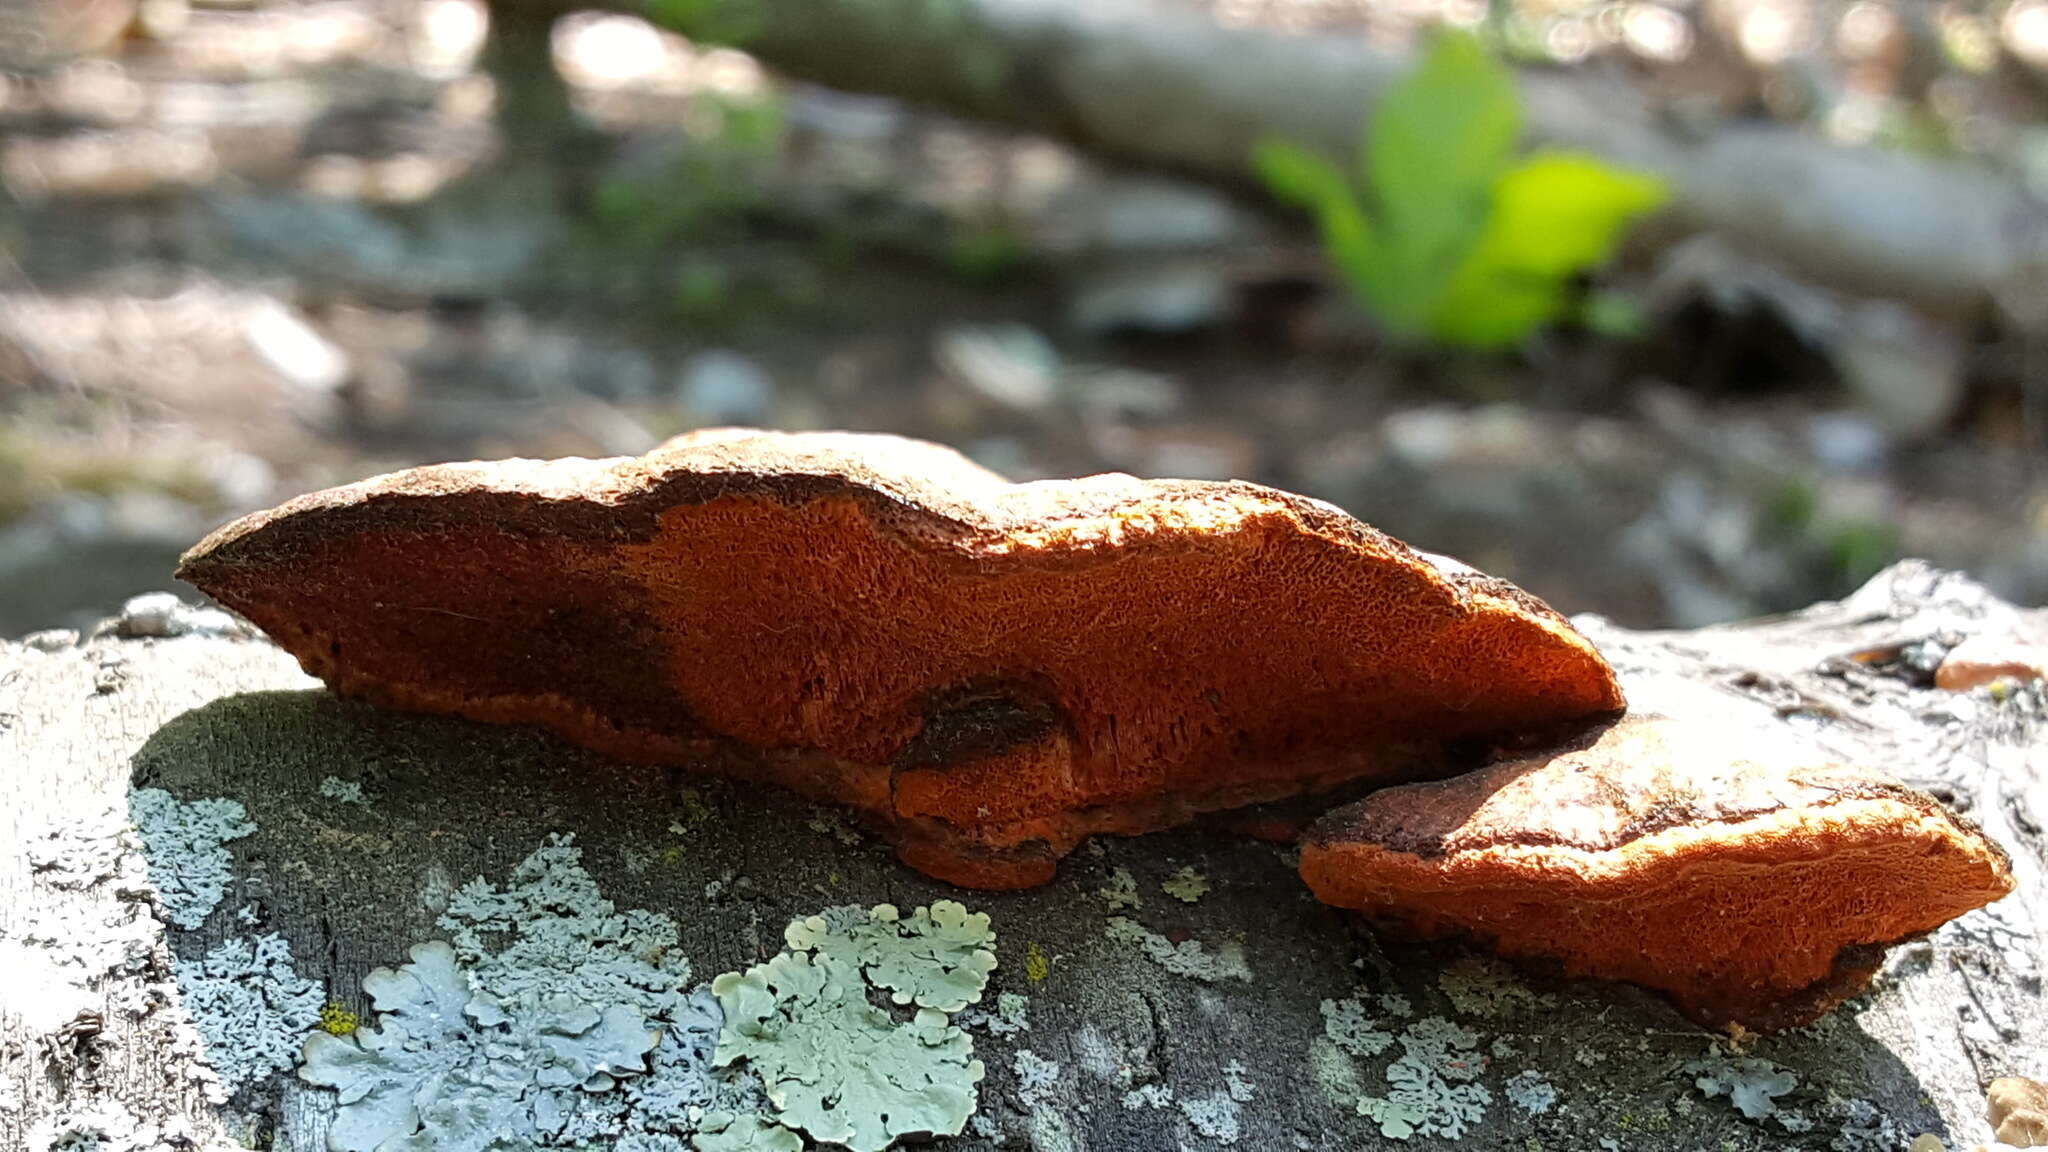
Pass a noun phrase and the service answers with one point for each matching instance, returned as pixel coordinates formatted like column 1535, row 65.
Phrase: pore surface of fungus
column 1739, row 872
column 992, row 671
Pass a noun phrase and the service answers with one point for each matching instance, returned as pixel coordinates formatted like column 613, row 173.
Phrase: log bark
column 82, row 724
column 1160, row 83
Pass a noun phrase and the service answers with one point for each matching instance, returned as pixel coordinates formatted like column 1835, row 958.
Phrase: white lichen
column 184, row 844
column 1346, row 1024
column 1187, row 885
column 81, row 852
column 552, row 1019
column 251, row 1007
column 1530, row 1092
column 1050, row 1133
column 1188, row 958
column 1037, row 1077
column 83, row 936
column 1152, row 1095
column 1861, row 1127
column 1335, row 1073
column 1395, row 1004
column 343, row 791
column 834, row 1064
column 1429, row 1089
column 550, row 930
column 1237, row 1082
column 1214, row 1116
column 106, row 1125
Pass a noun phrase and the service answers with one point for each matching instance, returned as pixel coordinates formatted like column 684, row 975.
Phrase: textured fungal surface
column 1741, row 873
column 991, row 671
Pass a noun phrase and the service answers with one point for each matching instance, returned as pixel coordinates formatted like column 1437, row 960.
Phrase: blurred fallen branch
column 1161, row 84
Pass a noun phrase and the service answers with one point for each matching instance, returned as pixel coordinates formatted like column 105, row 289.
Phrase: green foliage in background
column 661, row 225
column 711, row 21
column 705, row 187
column 1450, row 238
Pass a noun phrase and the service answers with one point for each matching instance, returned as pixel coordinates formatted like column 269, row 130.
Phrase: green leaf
column 1434, row 149
column 711, row 21
column 1613, row 315
column 1299, row 176
column 1552, row 217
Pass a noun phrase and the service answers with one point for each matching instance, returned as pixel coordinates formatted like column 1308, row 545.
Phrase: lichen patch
column 185, row 843
column 548, row 1019
column 251, row 1007
column 1190, row 958
column 836, row 1065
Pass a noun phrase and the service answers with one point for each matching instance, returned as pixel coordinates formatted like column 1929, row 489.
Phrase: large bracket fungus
column 1738, row 871
column 991, row 671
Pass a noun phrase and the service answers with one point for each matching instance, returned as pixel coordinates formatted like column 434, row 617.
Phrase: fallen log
column 1179, row 988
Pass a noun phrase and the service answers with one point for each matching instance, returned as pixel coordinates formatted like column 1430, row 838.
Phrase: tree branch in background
column 1161, row 84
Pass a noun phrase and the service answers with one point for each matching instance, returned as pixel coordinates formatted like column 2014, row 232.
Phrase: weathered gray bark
column 351, row 888
column 1160, row 83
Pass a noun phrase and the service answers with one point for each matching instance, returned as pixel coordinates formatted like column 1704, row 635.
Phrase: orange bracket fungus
column 1740, row 873
column 990, row 671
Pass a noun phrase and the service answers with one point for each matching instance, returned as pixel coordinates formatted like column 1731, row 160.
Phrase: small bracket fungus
column 1740, row 873
column 2018, row 1110
column 990, row 671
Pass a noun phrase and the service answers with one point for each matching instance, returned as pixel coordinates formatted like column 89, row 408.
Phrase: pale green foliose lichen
column 1188, row 958
column 1481, row 986
column 1749, row 1083
column 725, row 1132
column 826, row 822
column 835, row 1065
column 551, row 1020
column 1429, row 1089
column 1187, row 885
column 1121, row 892
column 184, row 845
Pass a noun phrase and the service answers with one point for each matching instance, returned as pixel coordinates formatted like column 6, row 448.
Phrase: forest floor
column 238, row 276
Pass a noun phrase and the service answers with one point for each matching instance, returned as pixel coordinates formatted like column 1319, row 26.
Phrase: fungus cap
column 1738, row 871
column 991, row 671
